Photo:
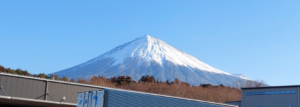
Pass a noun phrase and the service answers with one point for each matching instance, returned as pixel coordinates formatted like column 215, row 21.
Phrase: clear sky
column 257, row 38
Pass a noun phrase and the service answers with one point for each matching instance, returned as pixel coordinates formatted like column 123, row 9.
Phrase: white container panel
column 86, row 98
column 99, row 99
column 90, row 99
column 80, row 98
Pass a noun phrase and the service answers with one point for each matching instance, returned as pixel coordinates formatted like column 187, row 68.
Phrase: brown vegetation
column 176, row 88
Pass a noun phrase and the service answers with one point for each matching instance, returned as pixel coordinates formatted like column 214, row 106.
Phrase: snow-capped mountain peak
column 148, row 55
column 150, row 48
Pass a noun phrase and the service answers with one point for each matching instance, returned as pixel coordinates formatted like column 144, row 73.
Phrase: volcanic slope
column 150, row 56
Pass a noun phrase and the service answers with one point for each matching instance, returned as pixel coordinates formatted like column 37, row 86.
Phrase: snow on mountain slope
column 241, row 76
column 150, row 56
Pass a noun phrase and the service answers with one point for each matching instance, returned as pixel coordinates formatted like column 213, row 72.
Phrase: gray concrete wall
column 36, row 88
column 271, row 100
column 22, row 87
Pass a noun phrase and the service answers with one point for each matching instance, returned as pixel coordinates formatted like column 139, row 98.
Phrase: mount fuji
column 150, row 56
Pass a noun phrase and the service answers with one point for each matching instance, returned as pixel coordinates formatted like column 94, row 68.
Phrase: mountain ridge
column 150, row 56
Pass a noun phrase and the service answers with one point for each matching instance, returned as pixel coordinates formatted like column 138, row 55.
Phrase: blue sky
column 258, row 38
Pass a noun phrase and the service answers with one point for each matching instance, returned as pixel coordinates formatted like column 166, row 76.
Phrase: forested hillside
column 206, row 92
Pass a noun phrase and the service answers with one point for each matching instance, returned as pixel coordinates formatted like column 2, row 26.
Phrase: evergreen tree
column 121, row 80
column 147, row 78
column 129, row 80
column 1, row 68
column 65, row 78
column 55, row 77
column 113, row 79
column 11, row 71
column 25, row 73
column 167, row 82
column 19, row 71
column 42, row 75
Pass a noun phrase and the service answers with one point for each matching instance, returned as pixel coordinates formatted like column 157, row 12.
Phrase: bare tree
column 248, row 83
column 259, row 83
column 239, row 84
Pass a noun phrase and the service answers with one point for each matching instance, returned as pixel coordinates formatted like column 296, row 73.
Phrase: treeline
column 149, row 84
column 13, row 71
column 178, row 88
column 249, row 83
column 25, row 72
